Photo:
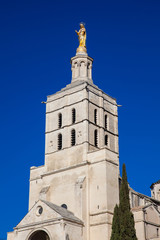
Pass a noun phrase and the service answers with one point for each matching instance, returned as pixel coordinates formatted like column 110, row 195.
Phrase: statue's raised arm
column 82, row 38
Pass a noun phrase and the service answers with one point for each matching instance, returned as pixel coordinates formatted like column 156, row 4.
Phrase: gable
column 40, row 212
column 152, row 214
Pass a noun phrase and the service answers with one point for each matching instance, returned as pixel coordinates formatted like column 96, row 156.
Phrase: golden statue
column 82, row 38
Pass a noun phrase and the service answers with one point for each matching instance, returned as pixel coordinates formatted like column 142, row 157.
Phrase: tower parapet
column 155, row 190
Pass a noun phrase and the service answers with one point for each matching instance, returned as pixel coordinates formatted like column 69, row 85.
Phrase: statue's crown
column 82, row 23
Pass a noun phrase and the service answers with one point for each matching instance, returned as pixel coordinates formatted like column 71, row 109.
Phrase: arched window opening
column 95, row 116
column 106, row 140
column 73, row 115
column 73, row 137
column 39, row 235
column 59, row 141
column 59, row 120
column 157, row 232
column 105, row 121
column 64, row 205
column 95, row 138
column 67, row 237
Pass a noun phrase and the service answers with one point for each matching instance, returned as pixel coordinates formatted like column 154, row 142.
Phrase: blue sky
column 37, row 41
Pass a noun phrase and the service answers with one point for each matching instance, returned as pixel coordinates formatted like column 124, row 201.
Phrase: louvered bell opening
column 106, row 140
column 95, row 138
column 59, row 120
column 73, row 137
column 73, row 115
column 59, row 141
column 105, row 121
column 95, row 116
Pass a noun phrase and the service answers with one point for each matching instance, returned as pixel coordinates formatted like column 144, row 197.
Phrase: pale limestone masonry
column 81, row 170
column 155, row 190
column 146, row 212
column 82, row 68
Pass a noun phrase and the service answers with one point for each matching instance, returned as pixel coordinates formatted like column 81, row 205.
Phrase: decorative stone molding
column 80, row 181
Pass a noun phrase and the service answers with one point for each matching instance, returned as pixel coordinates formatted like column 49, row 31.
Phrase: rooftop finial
column 82, row 39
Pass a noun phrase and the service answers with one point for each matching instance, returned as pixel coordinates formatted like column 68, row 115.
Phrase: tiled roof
column 63, row 212
column 137, row 208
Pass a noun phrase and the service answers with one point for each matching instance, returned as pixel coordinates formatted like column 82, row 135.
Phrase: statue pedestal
column 81, row 67
column 81, row 49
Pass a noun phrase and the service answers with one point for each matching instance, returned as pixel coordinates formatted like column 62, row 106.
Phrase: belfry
column 73, row 195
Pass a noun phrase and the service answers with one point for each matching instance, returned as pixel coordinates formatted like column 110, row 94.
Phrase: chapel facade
column 73, row 195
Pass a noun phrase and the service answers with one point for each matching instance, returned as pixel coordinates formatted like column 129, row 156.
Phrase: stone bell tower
column 81, row 154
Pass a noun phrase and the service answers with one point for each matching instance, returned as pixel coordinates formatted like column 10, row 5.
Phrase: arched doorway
column 39, row 235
